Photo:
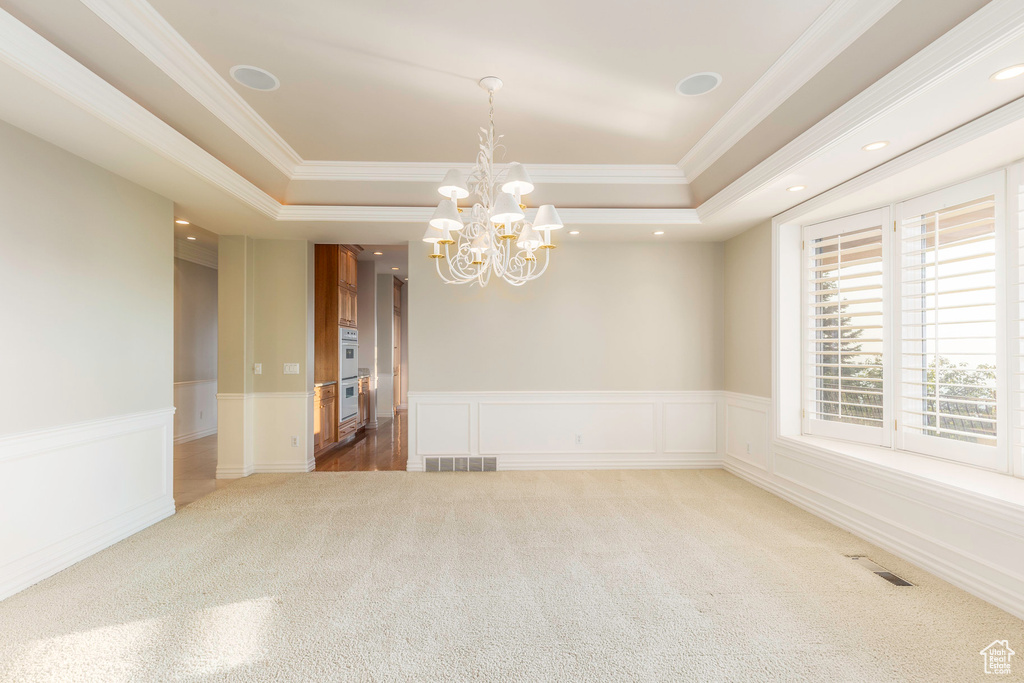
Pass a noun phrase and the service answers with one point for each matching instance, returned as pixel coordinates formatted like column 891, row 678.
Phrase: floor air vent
column 879, row 570
column 460, row 464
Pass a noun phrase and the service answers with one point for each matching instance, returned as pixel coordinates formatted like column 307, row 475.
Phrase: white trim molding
column 569, row 430
column 421, row 214
column 146, row 30
column 987, row 30
column 195, row 253
column 838, row 26
column 433, row 172
column 70, row 491
column 34, row 56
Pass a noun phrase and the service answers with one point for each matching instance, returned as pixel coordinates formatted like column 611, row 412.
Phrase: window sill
column 965, row 480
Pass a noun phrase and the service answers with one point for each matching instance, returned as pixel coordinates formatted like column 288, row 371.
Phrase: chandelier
column 494, row 238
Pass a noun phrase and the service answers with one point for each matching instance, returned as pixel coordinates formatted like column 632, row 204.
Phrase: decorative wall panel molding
column 106, row 479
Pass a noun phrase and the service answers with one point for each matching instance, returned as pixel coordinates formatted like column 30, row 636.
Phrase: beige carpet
column 514, row 576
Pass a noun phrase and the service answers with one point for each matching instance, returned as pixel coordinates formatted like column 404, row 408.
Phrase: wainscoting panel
column 282, row 432
column 442, row 428
column 68, row 492
column 690, row 426
column 746, row 430
column 536, row 428
column 567, row 430
column 195, row 414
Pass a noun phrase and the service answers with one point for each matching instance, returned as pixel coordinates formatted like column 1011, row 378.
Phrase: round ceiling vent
column 698, row 84
column 255, row 77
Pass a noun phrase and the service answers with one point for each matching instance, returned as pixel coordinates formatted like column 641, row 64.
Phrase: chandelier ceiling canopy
column 493, row 237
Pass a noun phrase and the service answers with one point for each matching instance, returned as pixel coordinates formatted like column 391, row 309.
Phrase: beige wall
column 235, row 314
column 283, row 289
column 748, row 305
column 86, row 290
column 265, row 314
column 606, row 316
column 195, row 322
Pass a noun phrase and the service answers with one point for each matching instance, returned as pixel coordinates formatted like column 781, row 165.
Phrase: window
column 950, row 322
column 905, row 333
column 845, row 337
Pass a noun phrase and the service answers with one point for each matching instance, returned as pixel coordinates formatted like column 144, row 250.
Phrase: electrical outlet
column 579, row 439
column 295, row 442
column 291, row 368
column 200, row 415
column 748, row 448
column 257, row 368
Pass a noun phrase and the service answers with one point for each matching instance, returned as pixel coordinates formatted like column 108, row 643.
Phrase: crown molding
column 195, row 253
column 146, row 30
column 421, row 214
column 979, row 127
column 32, row 55
column 838, row 26
column 433, row 172
column 985, row 31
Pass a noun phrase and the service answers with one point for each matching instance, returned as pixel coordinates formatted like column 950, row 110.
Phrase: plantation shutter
column 950, row 323
column 844, row 330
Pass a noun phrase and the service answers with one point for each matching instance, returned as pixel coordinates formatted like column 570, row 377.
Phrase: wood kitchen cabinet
column 348, row 272
column 346, row 307
column 325, row 417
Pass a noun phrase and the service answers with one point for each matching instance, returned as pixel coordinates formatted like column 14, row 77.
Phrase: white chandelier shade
column 494, row 237
column 506, row 209
column 454, row 186
column 517, row 180
column 446, row 216
column 547, row 218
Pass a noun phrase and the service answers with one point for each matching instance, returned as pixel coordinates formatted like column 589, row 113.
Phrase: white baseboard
column 194, row 436
column 30, row 570
column 104, row 480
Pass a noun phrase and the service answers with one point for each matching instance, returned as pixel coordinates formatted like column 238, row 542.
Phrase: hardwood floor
column 195, row 470
column 381, row 449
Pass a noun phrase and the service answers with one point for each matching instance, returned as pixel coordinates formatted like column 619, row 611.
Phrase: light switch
column 257, row 368
column 291, row 368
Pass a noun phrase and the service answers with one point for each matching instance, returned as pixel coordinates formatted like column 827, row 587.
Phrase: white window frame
column 877, row 436
column 989, row 457
column 790, row 336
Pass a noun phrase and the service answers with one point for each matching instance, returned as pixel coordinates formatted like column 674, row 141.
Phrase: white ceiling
column 584, row 83
column 392, row 256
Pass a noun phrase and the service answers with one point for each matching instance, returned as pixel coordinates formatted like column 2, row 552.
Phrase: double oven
column 349, row 406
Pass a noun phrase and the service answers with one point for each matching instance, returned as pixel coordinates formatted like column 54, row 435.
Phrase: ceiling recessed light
column 394, row 268
column 698, row 84
column 1008, row 73
column 660, row 232
column 872, row 146
column 796, row 188
column 255, row 77
column 574, row 232
column 190, row 238
column 181, row 222
column 378, row 253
